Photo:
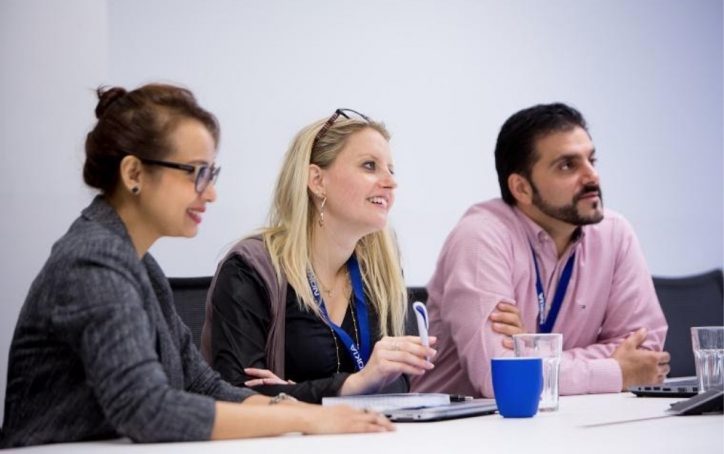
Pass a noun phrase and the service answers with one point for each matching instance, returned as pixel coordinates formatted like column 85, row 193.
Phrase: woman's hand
column 254, row 417
column 345, row 419
column 264, row 377
column 391, row 357
column 506, row 320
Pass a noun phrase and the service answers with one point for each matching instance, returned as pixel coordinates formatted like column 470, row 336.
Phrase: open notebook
column 386, row 402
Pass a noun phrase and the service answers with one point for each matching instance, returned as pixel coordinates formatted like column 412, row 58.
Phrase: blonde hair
column 289, row 232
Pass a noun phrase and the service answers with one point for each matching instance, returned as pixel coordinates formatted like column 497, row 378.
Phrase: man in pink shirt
column 548, row 258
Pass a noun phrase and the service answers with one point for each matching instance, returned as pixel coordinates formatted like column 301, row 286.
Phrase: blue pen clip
column 423, row 322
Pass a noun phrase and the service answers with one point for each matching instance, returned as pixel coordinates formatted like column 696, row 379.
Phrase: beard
column 569, row 213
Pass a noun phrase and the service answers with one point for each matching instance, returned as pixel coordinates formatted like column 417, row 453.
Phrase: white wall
column 443, row 75
column 52, row 55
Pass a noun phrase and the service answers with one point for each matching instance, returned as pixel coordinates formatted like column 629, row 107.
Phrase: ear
column 316, row 180
column 131, row 173
column 521, row 188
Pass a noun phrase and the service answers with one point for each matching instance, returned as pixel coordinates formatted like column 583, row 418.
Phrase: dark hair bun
column 137, row 121
column 106, row 97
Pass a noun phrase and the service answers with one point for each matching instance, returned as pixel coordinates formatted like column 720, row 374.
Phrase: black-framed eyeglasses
column 337, row 113
column 205, row 174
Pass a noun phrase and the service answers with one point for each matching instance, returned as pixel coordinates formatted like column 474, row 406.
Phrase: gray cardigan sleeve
column 102, row 314
column 200, row 377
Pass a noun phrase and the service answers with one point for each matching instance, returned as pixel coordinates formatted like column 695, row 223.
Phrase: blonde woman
column 315, row 305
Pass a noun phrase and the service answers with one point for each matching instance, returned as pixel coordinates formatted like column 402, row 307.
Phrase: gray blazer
column 99, row 351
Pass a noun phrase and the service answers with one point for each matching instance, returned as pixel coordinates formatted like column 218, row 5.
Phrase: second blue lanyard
column 359, row 354
column 546, row 321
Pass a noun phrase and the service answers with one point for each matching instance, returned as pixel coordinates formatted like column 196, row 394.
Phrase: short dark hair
column 515, row 148
column 138, row 122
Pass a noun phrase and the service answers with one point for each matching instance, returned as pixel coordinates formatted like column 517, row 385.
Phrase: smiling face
column 563, row 183
column 359, row 185
column 169, row 201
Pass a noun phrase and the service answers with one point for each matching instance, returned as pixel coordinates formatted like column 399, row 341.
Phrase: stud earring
column 321, row 210
column 135, row 190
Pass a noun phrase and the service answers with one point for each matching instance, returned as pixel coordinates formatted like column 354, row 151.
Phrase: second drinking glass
column 549, row 347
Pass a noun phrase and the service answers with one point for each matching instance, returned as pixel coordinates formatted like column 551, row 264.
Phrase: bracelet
column 280, row 397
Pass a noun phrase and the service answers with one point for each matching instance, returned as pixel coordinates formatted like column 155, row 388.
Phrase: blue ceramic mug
column 517, row 383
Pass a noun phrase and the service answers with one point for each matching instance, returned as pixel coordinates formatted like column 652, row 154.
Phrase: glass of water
column 549, row 347
column 708, row 345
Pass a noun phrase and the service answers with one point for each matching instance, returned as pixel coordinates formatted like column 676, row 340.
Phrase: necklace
column 316, row 284
column 327, row 291
column 334, row 337
column 354, row 322
column 336, row 346
column 330, row 291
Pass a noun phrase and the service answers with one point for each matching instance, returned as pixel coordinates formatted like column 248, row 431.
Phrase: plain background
column 443, row 76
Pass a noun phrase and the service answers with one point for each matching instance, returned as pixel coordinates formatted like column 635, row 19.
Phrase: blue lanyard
column 546, row 322
column 359, row 354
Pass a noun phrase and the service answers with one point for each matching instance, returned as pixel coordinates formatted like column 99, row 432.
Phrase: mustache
column 587, row 190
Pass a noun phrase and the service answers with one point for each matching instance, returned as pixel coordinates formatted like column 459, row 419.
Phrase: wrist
column 256, row 399
column 354, row 384
column 281, row 398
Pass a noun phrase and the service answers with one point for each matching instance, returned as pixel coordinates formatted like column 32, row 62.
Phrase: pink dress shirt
column 487, row 258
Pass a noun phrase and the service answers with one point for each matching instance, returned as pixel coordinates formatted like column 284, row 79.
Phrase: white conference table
column 583, row 424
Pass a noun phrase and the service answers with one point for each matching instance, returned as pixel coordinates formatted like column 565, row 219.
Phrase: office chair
column 189, row 297
column 689, row 301
column 417, row 294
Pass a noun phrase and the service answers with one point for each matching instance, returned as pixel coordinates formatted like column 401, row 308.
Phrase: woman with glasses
column 315, row 305
column 98, row 351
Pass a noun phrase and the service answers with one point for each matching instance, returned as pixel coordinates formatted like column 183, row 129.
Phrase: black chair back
column 689, row 301
column 414, row 294
column 417, row 294
column 189, row 297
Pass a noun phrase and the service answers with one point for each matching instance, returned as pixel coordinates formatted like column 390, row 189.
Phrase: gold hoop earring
column 321, row 210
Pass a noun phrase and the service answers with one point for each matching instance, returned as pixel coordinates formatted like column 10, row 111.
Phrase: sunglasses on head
column 337, row 113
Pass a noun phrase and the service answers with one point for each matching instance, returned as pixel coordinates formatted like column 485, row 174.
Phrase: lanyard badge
column 359, row 354
column 546, row 321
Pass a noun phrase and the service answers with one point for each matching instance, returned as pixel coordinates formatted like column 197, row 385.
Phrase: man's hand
column 506, row 321
column 639, row 366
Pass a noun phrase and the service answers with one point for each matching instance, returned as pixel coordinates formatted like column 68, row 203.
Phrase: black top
column 240, row 325
column 99, row 351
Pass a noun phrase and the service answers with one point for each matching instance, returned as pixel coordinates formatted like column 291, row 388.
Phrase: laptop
column 671, row 387
column 454, row 410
